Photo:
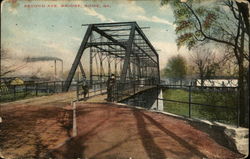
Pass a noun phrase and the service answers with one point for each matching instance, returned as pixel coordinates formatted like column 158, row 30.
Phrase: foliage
column 222, row 22
column 205, row 63
column 176, row 67
column 211, row 97
column 7, row 66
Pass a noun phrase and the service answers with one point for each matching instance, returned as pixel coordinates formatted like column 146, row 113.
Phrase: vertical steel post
column 109, row 67
column 116, row 67
column 91, row 62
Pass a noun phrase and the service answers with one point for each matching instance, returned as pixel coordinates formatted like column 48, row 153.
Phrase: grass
column 216, row 98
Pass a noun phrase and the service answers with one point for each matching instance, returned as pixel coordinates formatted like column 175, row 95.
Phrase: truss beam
column 109, row 42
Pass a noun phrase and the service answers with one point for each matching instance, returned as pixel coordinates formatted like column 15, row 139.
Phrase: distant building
column 218, row 82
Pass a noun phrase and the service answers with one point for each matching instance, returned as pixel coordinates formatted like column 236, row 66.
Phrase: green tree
column 221, row 22
column 176, row 68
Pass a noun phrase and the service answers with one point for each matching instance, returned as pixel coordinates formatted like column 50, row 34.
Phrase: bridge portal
column 119, row 48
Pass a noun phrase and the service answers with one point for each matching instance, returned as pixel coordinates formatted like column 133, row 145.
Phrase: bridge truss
column 118, row 48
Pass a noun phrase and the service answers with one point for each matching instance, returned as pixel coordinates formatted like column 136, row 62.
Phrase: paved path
column 109, row 131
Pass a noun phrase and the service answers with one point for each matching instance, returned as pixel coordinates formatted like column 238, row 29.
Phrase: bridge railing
column 123, row 90
column 97, row 88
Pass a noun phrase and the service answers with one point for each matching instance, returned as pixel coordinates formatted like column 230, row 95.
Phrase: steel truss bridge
column 119, row 48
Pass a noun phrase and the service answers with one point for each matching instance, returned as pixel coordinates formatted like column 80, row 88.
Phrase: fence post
column 134, row 93
column 157, row 102
column 47, row 87
column 101, row 87
column 77, row 90
column 14, row 96
column 88, row 89
column 26, row 90
column 189, row 102
column 54, row 86
column 238, row 108
column 117, row 86
column 62, row 86
column 36, row 89
column 134, row 88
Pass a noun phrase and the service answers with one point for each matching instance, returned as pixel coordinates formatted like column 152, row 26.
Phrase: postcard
column 124, row 79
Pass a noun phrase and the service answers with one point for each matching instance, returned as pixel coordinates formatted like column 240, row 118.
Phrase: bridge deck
column 126, row 94
column 32, row 128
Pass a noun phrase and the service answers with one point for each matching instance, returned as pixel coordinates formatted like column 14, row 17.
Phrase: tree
column 176, row 68
column 7, row 66
column 205, row 63
column 225, row 23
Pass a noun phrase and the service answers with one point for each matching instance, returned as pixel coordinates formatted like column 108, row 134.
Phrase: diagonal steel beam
column 146, row 39
column 108, row 37
column 77, row 59
column 145, row 52
column 82, row 70
column 126, row 63
column 117, row 55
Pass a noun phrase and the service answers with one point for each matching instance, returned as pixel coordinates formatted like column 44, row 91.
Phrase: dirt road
column 35, row 128
column 32, row 127
column 108, row 131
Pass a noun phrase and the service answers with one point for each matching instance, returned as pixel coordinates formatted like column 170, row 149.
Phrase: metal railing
column 211, row 103
column 125, row 90
column 96, row 88
column 16, row 92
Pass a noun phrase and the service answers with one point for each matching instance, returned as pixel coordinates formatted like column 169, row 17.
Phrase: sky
column 58, row 31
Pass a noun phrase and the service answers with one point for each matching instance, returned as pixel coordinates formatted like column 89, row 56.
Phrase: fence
column 15, row 92
column 211, row 103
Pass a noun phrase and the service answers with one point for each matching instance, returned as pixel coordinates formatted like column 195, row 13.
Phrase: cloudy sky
column 58, row 31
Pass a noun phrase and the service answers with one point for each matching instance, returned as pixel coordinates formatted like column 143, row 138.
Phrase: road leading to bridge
column 107, row 131
column 33, row 127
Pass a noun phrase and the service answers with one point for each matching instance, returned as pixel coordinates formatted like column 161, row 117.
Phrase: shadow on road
column 75, row 147
column 153, row 151
column 175, row 137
